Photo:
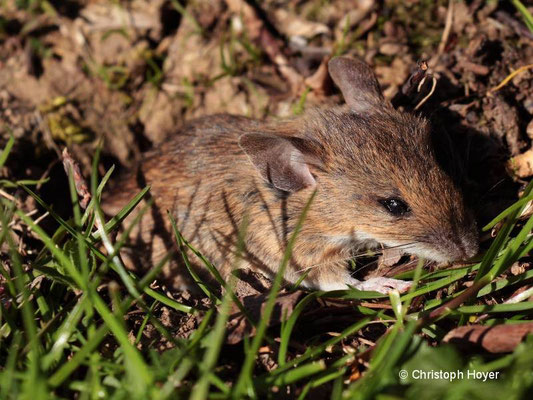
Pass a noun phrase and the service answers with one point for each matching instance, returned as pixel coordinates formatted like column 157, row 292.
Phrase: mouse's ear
column 357, row 83
column 278, row 160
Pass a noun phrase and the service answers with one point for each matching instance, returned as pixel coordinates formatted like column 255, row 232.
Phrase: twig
column 510, row 76
column 445, row 33
column 29, row 214
column 81, row 187
column 7, row 196
column 405, row 96
column 526, row 294
column 513, row 300
column 433, row 86
column 41, row 218
column 452, row 304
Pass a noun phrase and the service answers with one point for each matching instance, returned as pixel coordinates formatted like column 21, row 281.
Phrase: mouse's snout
column 449, row 243
column 467, row 244
column 459, row 244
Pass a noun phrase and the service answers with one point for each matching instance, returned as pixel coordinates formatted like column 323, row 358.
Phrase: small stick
column 72, row 166
column 509, row 77
column 7, row 195
column 81, row 186
column 447, row 29
column 520, row 296
column 433, row 86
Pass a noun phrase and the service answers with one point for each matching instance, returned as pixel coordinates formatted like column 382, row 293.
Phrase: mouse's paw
column 383, row 285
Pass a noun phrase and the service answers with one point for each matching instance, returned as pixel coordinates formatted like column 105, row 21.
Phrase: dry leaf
column 292, row 25
column 522, row 164
column 494, row 339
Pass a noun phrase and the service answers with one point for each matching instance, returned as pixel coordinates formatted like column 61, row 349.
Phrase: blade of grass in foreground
column 7, row 149
column 33, row 381
column 528, row 18
column 140, row 373
column 185, row 363
column 110, row 225
column 201, row 388
column 485, row 271
column 100, row 225
column 289, row 325
column 64, row 332
column 384, row 358
column 209, row 292
column 58, row 253
column 183, row 246
column 519, row 204
column 245, row 377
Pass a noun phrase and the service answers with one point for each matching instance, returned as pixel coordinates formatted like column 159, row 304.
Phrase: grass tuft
column 68, row 325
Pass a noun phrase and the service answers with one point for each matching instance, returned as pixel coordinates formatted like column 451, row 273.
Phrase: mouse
column 372, row 169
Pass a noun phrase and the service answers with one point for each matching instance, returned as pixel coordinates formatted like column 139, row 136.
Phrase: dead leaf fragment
column 494, row 339
column 522, row 164
column 320, row 81
column 292, row 25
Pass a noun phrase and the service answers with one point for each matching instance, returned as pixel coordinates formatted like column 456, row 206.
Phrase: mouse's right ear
column 280, row 161
column 357, row 82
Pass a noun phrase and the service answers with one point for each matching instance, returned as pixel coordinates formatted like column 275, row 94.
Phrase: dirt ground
column 127, row 74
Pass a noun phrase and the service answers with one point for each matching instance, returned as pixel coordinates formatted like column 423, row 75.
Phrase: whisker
column 490, row 190
column 362, row 267
column 354, row 256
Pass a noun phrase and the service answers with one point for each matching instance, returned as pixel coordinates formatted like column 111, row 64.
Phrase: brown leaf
column 494, row 339
column 522, row 164
column 390, row 257
column 320, row 81
column 292, row 25
column 108, row 16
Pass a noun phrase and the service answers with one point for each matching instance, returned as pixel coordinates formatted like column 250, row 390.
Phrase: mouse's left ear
column 357, row 82
column 280, row 161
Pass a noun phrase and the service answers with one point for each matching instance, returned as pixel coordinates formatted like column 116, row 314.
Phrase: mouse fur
column 373, row 167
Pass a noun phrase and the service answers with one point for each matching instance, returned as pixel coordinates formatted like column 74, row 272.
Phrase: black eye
column 395, row 206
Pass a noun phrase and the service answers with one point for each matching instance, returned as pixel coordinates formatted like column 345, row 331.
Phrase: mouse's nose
column 468, row 244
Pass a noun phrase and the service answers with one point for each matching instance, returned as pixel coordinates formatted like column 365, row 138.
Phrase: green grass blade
column 209, row 292
column 140, row 372
column 518, row 205
column 58, row 254
column 216, row 338
column 7, row 149
column 528, row 18
column 246, row 371
column 289, row 325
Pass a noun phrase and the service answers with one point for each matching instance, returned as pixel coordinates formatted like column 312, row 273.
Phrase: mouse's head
column 375, row 170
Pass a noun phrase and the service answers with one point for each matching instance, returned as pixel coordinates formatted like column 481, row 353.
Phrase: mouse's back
column 372, row 167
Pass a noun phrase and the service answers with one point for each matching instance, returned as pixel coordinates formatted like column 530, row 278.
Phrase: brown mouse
column 373, row 167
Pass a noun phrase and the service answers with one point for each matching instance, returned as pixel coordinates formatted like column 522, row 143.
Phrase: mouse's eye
column 395, row 206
